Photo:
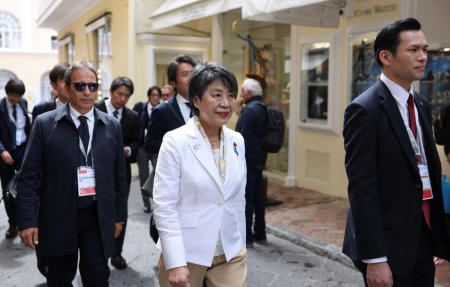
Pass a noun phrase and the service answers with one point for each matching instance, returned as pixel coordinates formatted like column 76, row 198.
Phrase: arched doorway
column 5, row 76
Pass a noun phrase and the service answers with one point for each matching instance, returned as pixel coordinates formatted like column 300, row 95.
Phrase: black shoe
column 261, row 241
column 147, row 209
column 119, row 262
column 249, row 245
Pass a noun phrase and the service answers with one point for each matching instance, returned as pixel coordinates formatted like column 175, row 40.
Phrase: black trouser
column 119, row 240
column 94, row 268
column 254, row 204
column 7, row 172
column 422, row 274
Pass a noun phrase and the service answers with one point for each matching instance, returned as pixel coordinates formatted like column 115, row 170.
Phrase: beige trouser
column 220, row 274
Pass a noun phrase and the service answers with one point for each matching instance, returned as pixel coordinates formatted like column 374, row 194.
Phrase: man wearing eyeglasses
column 75, row 163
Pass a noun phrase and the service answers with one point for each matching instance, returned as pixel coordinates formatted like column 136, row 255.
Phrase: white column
column 217, row 38
column 131, row 38
column 294, row 96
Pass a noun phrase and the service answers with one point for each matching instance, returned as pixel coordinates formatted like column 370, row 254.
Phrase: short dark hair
column 58, row 72
column 173, row 66
column 122, row 81
column 82, row 65
column 15, row 86
column 152, row 88
column 389, row 37
column 206, row 73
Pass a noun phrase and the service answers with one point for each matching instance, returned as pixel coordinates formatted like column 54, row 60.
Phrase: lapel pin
column 235, row 148
column 421, row 103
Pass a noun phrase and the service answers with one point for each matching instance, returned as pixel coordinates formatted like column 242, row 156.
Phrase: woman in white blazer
column 199, row 192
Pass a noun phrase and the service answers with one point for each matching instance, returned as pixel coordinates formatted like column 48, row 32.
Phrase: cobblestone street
column 279, row 263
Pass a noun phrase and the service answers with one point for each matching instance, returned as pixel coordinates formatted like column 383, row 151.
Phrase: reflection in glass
column 314, row 86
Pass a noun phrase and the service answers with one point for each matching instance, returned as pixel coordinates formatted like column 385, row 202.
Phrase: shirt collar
column 58, row 102
column 181, row 100
column 110, row 108
column 400, row 94
column 74, row 114
column 8, row 104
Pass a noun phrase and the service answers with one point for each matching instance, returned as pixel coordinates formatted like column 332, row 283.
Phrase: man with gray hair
column 251, row 125
column 74, row 170
column 167, row 92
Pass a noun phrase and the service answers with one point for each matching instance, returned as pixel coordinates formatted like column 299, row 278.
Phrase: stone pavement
column 317, row 221
column 279, row 263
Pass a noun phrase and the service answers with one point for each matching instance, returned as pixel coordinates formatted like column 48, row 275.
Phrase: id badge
column 426, row 184
column 86, row 181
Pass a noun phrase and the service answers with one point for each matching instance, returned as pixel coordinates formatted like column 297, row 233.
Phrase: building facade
column 26, row 51
column 315, row 56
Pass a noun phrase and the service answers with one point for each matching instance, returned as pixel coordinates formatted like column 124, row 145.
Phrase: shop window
column 319, row 84
column 10, row 31
column 54, row 43
column 436, row 84
column 365, row 70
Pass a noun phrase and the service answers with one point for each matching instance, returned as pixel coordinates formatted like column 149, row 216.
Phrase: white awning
column 320, row 13
column 174, row 12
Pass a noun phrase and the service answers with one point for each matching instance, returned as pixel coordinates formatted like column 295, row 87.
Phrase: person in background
column 14, row 132
column 143, row 157
column 121, row 90
column 396, row 221
column 57, row 82
column 199, row 192
column 251, row 124
column 167, row 92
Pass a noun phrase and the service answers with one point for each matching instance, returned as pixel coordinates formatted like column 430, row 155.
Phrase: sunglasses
column 80, row 86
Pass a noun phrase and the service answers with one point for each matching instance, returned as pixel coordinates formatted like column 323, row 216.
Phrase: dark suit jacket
column 252, row 125
column 43, row 107
column 130, row 132
column 165, row 117
column 385, row 189
column 7, row 142
column 49, row 171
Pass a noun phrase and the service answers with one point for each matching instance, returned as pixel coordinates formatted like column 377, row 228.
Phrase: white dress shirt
column 58, row 102
column 20, row 122
column 401, row 99
column 74, row 114
column 185, row 109
column 111, row 109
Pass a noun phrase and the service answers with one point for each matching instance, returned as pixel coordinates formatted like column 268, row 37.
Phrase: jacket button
column 220, row 204
column 416, row 214
column 418, row 185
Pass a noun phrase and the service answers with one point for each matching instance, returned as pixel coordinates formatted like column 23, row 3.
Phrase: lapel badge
column 421, row 103
column 235, row 148
column 196, row 147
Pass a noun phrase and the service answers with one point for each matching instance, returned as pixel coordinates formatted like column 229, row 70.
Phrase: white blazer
column 191, row 204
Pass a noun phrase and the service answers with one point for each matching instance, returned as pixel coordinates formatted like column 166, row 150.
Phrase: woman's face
column 216, row 106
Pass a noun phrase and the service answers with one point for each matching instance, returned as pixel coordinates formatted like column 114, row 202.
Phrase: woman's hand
column 179, row 277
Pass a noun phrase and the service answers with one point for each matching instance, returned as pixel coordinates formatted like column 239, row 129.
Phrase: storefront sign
column 370, row 7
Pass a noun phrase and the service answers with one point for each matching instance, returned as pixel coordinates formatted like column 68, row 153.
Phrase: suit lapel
column 396, row 120
column 426, row 132
column 231, row 160
column 203, row 153
column 4, row 111
column 174, row 105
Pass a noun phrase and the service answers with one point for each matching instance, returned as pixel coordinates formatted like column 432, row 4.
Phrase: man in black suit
column 143, row 157
column 14, row 132
column 57, row 82
column 251, row 125
column 121, row 90
column 176, row 111
column 395, row 223
column 72, row 185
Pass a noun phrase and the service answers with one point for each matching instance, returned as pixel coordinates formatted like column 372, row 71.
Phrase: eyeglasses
column 80, row 86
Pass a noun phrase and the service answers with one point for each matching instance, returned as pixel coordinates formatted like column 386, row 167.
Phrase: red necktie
column 412, row 126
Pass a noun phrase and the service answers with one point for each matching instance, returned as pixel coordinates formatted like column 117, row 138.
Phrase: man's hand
column 7, row 158
column 379, row 275
column 118, row 229
column 438, row 261
column 29, row 237
column 126, row 150
column 179, row 277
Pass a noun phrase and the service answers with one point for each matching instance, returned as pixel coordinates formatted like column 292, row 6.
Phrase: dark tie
column 116, row 114
column 14, row 113
column 413, row 127
column 83, row 131
column 189, row 104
